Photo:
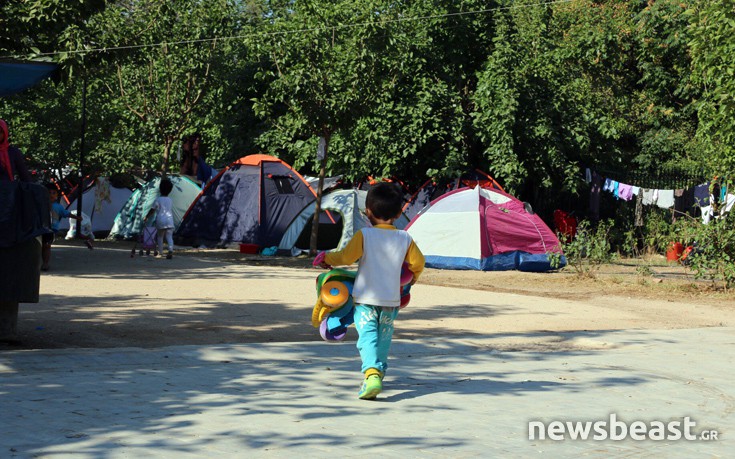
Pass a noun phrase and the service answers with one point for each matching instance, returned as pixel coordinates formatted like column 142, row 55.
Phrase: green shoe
column 371, row 387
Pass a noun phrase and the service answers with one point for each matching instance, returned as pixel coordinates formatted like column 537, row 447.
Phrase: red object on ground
column 565, row 224
column 674, row 252
column 249, row 248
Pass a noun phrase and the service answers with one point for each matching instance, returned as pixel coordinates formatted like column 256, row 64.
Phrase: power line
column 291, row 32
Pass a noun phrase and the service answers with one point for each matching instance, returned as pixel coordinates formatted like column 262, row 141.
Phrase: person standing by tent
column 186, row 165
column 204, row 171
column 163, row 207
column 12, row 163
column 57, row 213
column 382, row 250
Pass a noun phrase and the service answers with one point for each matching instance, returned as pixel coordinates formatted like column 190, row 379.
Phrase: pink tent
column 489, row 230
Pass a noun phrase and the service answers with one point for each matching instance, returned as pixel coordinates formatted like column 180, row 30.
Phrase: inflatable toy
column 406, row 278
column 334, row 294
column 334, row 310
column 406, row 275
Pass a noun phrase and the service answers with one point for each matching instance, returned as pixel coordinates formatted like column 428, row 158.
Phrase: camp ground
column 488, row 230
column 251, row 201
column 101, row 201
column 131, row 219
column 342, row 215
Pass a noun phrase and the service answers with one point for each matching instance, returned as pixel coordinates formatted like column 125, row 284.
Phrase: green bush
column 714, row 255
column 589, row 249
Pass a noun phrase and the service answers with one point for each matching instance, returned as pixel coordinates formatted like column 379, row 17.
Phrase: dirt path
column 104, row 298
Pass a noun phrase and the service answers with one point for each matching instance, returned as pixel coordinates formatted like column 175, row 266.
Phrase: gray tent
column 102, row 203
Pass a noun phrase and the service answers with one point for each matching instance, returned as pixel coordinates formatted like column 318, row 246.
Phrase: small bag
column 86, row 227
column 149, row 237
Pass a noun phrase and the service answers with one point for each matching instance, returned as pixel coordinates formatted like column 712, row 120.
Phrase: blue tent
column 252, row 201
column 15, row 76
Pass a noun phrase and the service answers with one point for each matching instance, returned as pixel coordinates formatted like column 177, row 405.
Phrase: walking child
column 163, row 207
column 382, row 251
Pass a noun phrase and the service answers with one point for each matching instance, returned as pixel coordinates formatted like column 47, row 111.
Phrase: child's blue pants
column 374, row 324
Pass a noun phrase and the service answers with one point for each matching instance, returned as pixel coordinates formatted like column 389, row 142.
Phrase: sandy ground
column 105, row 298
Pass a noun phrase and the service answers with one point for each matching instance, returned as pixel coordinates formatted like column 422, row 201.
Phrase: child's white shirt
column 164, row 212
column 379, row 273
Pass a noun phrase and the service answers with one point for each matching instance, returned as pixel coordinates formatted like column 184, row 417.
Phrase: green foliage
column 657, row 231
column 412, row 89
column 712, row 47
column 714, row 256
column 317, row 79
column 666, row 105
column 644, row 271
column 160, row 88
column 589, row 249
column 40, row 26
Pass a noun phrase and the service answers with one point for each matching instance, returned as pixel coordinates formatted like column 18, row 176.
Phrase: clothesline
column 664, row 198
column 682, row 200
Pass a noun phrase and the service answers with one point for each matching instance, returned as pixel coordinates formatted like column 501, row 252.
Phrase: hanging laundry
column 639, row 210
column 595, row 196
column 587, row 175
column 707, row 214
column 616, row 189
column 609, row 185
column 625, row 192
column 701, row 194
column 728, row 202
column 636, row 190
column 647, row 197
column 684, row 202
column 665, row 199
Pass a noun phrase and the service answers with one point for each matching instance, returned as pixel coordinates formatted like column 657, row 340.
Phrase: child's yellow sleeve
column 415, row 260
column 350, row 254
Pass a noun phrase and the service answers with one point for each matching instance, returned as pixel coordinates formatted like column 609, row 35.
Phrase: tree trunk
column 166, row 155
column 318, row 208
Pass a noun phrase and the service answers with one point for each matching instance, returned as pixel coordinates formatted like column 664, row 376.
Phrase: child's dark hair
column 165, row 187
column 384, row 200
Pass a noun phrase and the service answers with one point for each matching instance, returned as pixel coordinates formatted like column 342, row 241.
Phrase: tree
column 713, row 62
column 42, row 26
column 321, row 76
column 667, row 118
column 162, row 55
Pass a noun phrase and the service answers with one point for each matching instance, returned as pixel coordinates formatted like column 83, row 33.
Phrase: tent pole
column 81, row 157
column 319, row 192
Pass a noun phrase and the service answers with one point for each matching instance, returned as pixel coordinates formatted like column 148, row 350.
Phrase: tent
column 330, row 183
column 343, row 214
column 432, row 189
column 129, row 222
column 252, row 200
column 488, row 230
column 101, row 201
column 368, row 182
column 19, row 75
